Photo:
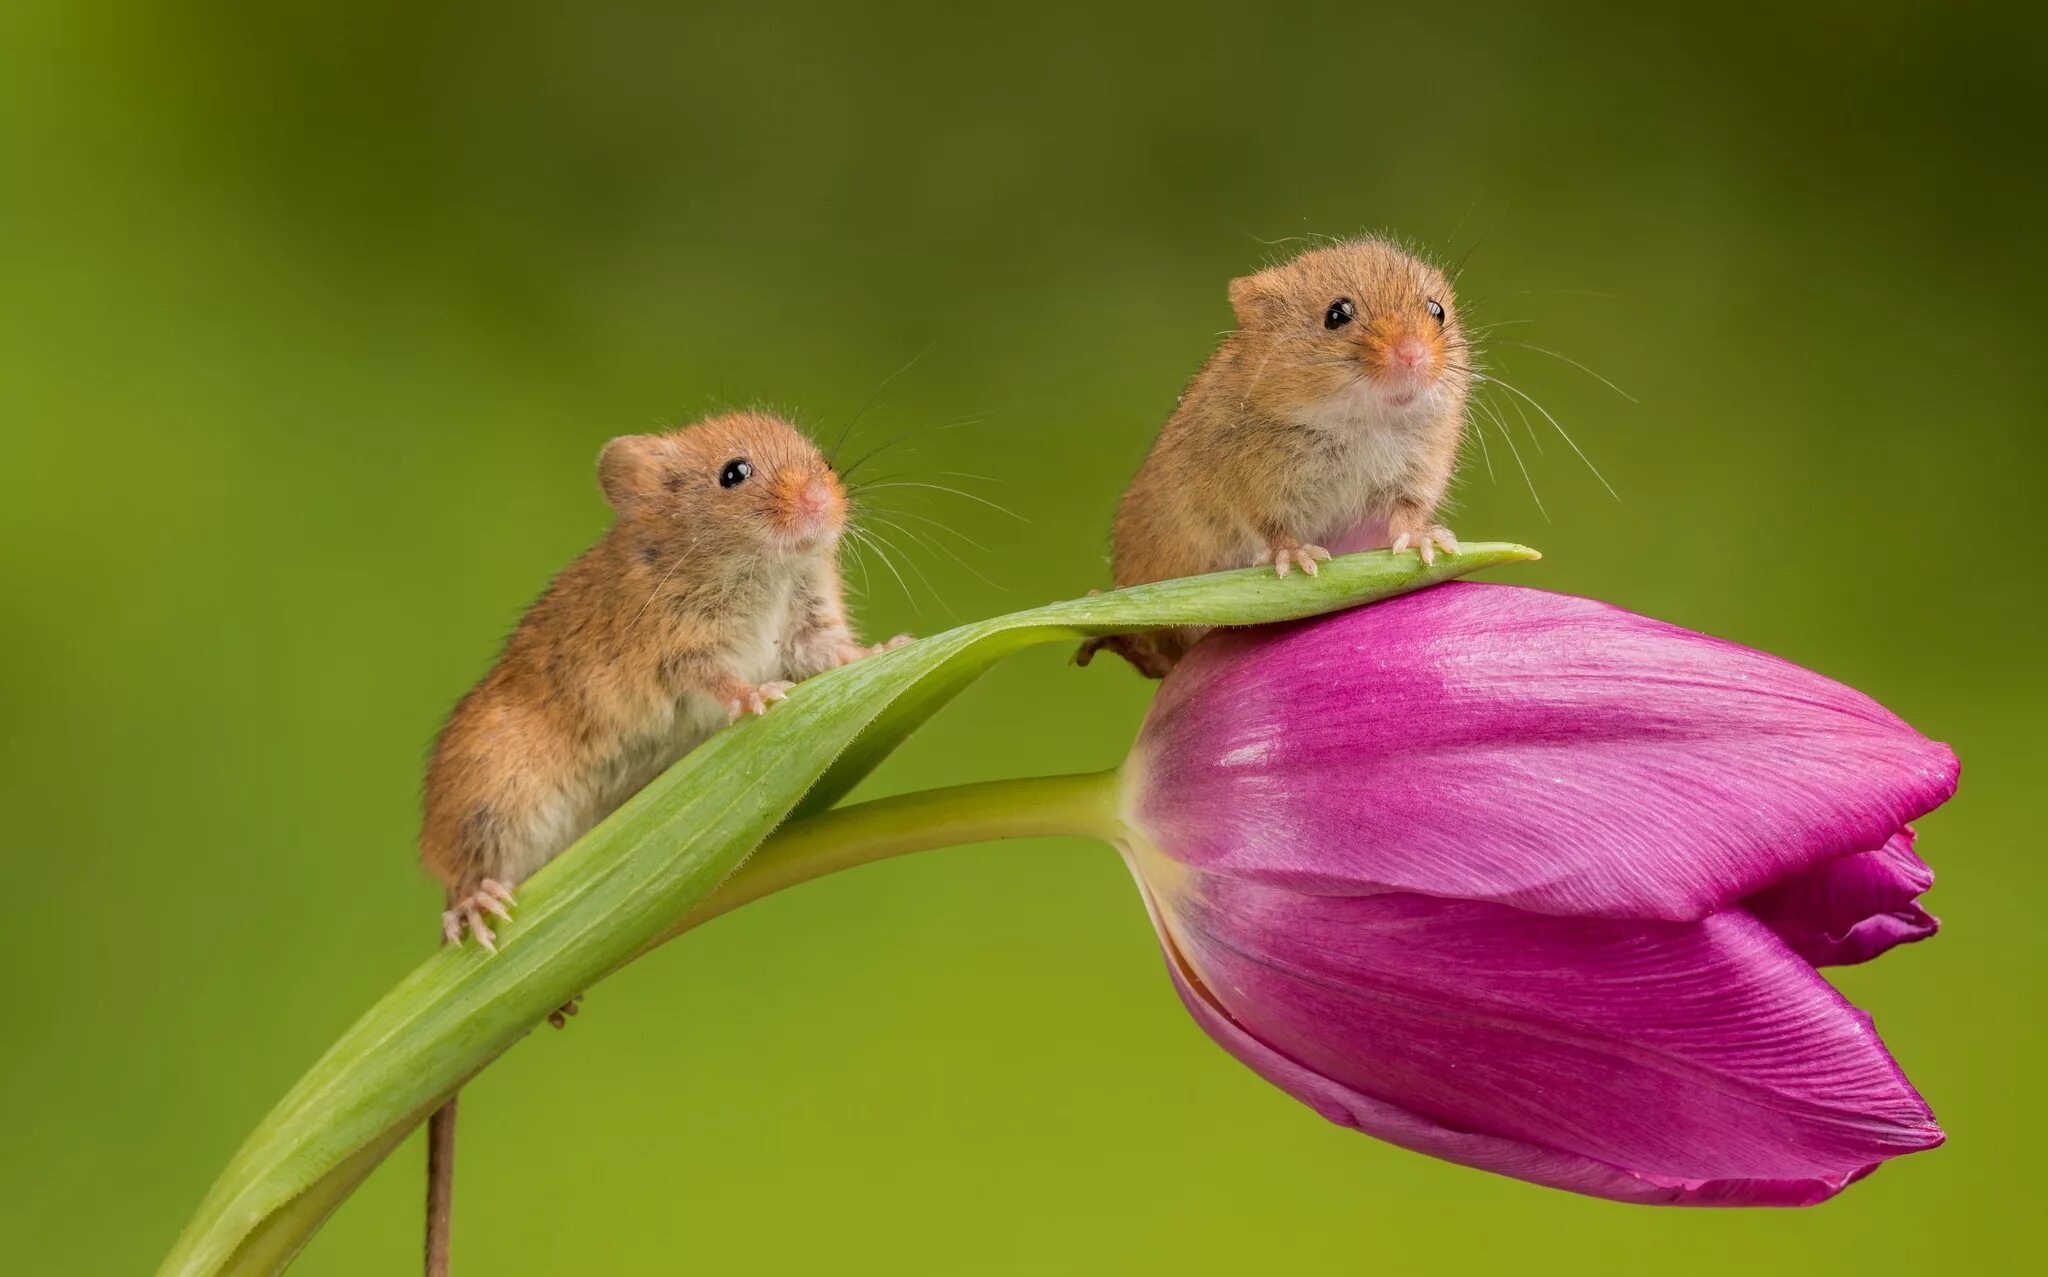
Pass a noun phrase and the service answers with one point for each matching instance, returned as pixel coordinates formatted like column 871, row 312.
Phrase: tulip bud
column 1533, row 884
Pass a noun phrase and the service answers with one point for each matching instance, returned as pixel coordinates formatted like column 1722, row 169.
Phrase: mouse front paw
column 1285, row 555
column 850, row 652
column 490, row 896
column 754, row 698
column 1425, row 542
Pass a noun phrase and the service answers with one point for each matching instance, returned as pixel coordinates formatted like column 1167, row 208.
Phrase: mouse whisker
column 873, row 396
column 1498, row 323
column 1508, row 435
column 1543, row 350
column 915, row 570
column 1552, row 292
column 1526, row 424
column 971, row 419
column 867, row 585
column 925, row 540
column 846, row 471
column 876, row 485
column 1466, row 257
column 864, row 536
column 1566, row 435
column 940, row 525
column 1485, row 450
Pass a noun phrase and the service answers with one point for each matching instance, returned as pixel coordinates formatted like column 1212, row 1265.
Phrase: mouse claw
column 1425, row 543
column 467, row 917
column 755, row 699
column 559, row 1017
column 850, row 652
column 1285, row 558
column 467, row 914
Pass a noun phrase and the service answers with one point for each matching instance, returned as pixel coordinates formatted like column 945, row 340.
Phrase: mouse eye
column 1436, row 311
column 736, row 472
column 1340, row 313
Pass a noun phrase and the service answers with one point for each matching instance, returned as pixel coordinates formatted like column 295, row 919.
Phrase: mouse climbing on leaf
column 715, row 591
column 1327, row 422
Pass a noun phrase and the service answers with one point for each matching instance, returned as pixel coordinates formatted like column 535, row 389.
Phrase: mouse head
column 745, row 482
column 1356, row 329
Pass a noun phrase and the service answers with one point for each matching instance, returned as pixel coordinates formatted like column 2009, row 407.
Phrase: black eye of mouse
column 1436, row 311
column 736, row 472
column 1340, row 313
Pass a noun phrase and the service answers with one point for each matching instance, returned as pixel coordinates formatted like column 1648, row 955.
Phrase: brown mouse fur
column 705, row 600
column 1297, row 434
column 700, row 603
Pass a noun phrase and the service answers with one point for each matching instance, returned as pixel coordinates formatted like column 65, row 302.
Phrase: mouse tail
column 440, row 1186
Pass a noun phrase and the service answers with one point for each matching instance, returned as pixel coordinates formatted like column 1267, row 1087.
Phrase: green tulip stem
column 1081, row 806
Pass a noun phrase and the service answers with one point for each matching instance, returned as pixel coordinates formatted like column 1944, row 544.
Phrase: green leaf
column 606, row 898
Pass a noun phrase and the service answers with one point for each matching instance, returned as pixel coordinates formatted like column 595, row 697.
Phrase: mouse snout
column 816, row 501
column 1401, row 355
column 1409, row 354
column 814, row 506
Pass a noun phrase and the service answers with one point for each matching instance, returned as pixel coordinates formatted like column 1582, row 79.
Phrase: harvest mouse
column 715, row 589
column 1330, row 417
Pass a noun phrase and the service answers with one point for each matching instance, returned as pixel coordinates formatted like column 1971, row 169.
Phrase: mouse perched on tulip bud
column 1327, row 422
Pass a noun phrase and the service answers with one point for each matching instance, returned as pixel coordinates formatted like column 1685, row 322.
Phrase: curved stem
column 1081, row 805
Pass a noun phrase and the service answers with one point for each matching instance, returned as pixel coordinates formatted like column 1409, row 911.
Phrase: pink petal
column 1690, row 1063
column 1491, row 742
column 1851, row 909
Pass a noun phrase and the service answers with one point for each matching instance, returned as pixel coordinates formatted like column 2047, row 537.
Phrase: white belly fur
column 1377, row 456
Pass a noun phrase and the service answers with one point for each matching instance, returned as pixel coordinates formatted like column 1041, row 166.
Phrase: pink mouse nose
column 1409, row 354
column 817, row 503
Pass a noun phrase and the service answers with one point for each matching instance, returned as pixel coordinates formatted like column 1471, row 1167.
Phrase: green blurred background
column 313, row 318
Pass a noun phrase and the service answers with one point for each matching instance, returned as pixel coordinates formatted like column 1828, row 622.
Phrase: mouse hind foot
column 1424, row 541
column 1147, row 653
column 467, row 914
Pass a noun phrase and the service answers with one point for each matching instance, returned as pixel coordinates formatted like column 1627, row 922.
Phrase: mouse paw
column 755, row 698
column 850, row 652
column 559, row 1017
column 1141, row 650
column 490, row 896
column 1426, row 541
column 1291, row 554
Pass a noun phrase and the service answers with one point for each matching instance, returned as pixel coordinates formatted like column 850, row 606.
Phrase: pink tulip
column 1533, row 884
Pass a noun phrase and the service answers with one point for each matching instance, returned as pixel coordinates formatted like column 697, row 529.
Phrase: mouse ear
column 1251, row 298
column 624, row 469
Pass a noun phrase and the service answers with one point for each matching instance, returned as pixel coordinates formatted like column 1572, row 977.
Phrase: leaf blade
column 601, row 901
